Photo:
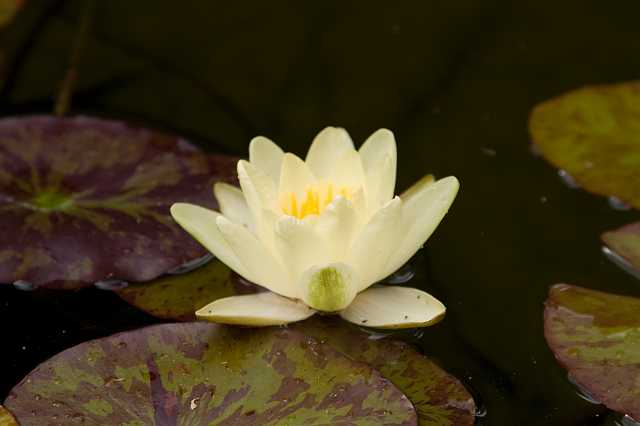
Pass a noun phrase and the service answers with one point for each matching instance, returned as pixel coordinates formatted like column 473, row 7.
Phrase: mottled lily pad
column 177, row 297
column 596, row 337
column 207, row 374
column 439, row 398
column 85, row 200
column 593, row 134
column 625, row 242
column 6, row 419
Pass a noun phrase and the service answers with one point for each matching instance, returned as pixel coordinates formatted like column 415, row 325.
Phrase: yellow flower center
column 315, row 199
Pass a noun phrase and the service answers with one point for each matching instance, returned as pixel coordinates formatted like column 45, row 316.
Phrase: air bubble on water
column 24, row 285
column 617, row 204
column 582, row 392
column 621, row 262
column 191, row 265
column 111, row 285
column 403, row 275
column 568, row 179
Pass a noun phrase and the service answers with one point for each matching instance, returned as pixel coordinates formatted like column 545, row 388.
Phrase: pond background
column 454, row 81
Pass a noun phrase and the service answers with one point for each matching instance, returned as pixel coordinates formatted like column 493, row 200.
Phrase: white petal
column 265, row 268
column 295, row 176
column 327, row 148
column 299, row 246
column 379, row 159
column 376, row 243
column 201, row 224
column 329, row 287
column 267, row 156
column 260, row 309
column 422, row 211
column 259, row 191
column 394, row 307
column 338, row 225
column 232, row 204
column 347, row 171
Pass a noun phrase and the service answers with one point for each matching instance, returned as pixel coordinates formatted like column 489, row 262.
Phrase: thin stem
column 63, row 100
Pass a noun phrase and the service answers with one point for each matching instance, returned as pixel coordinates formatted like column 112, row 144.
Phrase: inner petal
column 313, row 200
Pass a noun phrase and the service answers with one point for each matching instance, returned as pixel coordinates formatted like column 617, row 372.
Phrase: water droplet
column 111, row 285
column 24, row 285
column 582, row 392
column 402, row 275
column 617, row 204
column 621, row 262
column 191, row 265
column 568, row 179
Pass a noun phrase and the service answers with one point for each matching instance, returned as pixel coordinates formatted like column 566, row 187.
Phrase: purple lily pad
column 625, row 242
column 6, row 419
column 85, row 200
column 206, row 374
column 592, row 134
column 596, row 337
column 440, row 399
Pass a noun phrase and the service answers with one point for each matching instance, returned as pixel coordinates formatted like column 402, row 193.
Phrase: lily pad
column 84, row 200
column 596, row 337
column 440, row 399
column 625, row 242
column 6, row 419
column 177, row 297
column 207, row 374
column 593, row 134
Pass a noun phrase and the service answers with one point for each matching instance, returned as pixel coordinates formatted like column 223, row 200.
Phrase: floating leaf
column 207, row 374
column 6, row 419
column 625, row 242
column 596, row 337
column 439, row 398
column 593, row 134
column 177, row 297
column 84, row 200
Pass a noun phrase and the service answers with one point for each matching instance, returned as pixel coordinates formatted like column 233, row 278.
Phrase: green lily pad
column 177, row 297
column 207, row 374
column 440, row 399
column 6, row 419
column 625, row 242
column 596, row 337
column 84, row 200
column 593, row 134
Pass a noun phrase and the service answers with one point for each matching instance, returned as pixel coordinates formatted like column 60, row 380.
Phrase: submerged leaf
column 596, row 337
column 593, row 134
column 625, row 242
column 6, row 419
column 207, row 374
column 84, row 200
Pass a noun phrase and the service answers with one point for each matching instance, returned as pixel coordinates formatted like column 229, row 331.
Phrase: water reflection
column 402, row 275
column 621, row 262
column 627, row 421
column 192, row 265
column 111, row 285
column 582, row 392
column 568, row 180
column 24, row 285
column 617, row 204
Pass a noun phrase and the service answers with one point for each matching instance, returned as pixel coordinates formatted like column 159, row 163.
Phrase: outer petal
column 422, row 211
column 262, row 266
column 232, row 204
column 260, row 309
column 379, row 159
column 295, row 176
column 299, row 246
column 394, row 307
column 201, row 224
column 376, row 243
column 267, row 156
column 327, row 148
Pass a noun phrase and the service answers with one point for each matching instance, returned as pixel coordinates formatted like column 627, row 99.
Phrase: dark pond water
column 454, row 80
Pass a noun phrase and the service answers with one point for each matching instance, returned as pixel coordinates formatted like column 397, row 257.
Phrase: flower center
column 315, row 199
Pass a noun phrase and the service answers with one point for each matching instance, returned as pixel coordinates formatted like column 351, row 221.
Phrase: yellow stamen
column 316, row 199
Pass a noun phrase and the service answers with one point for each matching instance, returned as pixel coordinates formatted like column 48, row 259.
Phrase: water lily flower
column 319, row 233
